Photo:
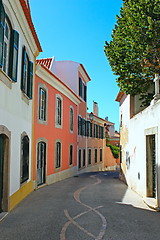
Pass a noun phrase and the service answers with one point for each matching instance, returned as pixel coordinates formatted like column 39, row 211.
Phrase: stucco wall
column 51, row 133
column 15, row 108
column 133, row 141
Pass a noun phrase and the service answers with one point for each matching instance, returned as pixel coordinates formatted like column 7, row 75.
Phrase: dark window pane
column 71, row 155
column 25, row 159
column 58, row 154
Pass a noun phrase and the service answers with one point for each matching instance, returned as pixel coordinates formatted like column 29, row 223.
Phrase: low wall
column 109, row 161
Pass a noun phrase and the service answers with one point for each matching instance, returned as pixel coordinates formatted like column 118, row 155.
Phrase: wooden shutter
column 30, row 80
column 2, row 24
column 85, row 93
column 13, row 64
column 80, row 87
column 23, row 79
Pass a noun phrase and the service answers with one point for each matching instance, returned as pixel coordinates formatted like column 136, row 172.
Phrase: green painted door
column 2, row 150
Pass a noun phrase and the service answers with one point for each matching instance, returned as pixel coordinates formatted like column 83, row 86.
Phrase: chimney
column 106, row 118
column 95, row 108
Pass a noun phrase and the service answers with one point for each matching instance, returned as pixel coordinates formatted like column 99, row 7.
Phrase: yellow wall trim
column 19, row 195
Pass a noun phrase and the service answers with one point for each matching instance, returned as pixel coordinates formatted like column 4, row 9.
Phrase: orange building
column 55, row 128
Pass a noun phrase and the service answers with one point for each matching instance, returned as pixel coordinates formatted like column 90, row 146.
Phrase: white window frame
column 71, row 118
column 57, row 124
column 42, row 120
column 58, row 166
column 6, row 50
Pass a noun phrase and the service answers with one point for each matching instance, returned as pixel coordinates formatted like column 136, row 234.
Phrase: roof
column 85, row 71
column 27, row 13
column 59, row 80
column 107, row 122
column 119, row 96
column 45, row 61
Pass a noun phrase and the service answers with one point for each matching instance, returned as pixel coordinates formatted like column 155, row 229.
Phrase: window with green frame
column 9, row 44
column 27, row 74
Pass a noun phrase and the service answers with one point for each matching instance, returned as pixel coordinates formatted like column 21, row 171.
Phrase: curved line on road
column 71, row 220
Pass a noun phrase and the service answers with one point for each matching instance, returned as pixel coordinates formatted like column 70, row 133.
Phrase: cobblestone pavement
column 91, row 206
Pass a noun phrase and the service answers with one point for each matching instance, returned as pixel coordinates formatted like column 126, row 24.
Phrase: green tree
column 134, row 50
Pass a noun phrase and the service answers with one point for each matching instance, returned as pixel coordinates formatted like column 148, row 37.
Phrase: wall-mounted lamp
column 91, row 116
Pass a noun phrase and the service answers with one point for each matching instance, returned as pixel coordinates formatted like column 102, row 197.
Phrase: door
column 151, row 165
column 41, row 163
column 2, row 156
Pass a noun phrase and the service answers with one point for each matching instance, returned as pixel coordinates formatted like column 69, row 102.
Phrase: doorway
column 4, row 153
column 151, row 166
column 41, row 163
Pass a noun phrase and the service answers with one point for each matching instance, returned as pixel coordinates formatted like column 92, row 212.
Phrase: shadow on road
column 60, row 210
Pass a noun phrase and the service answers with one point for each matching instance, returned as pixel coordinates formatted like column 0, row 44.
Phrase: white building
column 19, row 47
column 140, row 143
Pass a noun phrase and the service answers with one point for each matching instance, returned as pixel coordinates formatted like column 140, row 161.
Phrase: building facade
column 19, row 46
column 139, row 139
column 55, row 128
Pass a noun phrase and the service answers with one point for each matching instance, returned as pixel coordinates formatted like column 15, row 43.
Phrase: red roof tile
column 45, row 61
column 27, row 13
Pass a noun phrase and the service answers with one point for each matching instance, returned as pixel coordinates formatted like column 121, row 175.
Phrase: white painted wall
column 15, row 108
column 133, row 140
column 67, row 71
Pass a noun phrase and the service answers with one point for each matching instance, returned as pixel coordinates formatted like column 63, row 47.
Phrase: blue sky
column 77, row 30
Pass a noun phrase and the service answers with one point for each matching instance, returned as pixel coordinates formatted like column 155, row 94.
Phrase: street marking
column 72, row 220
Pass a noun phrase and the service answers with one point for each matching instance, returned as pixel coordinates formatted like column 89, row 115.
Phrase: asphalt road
column 92, row 206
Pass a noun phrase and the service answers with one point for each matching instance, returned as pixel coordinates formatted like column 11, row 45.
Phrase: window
column 42, row 104
column 84, row 157
column 27, row 74
column 71, row 119
column 41, row 162
column 58, row 154
column 6, row 45
column 9, row 41
column 82, row 90
column 82, row 126
column 95, row 155
column 89, row 156
column 101, row 132
column 71, row 155
column 88, row 129
column 25, row 159
column 79, row 158
column 101, row 155
column 95, row 130
column 58, row 111
column 79, row 125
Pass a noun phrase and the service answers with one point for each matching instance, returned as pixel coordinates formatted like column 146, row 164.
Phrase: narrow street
column 86, row 207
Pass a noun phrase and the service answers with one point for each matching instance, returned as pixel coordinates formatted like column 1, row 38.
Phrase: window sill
column 25, row 98
column 43, row 122
column 58, row 126
column 5, row 79
column 24, row 183
column 58, row 169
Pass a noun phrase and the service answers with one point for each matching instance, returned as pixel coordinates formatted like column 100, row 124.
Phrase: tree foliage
column 134, row 50
column 115, row 150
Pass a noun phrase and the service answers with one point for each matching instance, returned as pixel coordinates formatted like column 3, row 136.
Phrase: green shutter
column 24, row 56
column 2, row 24
column 80, row 87
column 30, row 80
column 14, row 55
column 85, row 93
